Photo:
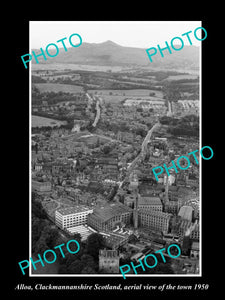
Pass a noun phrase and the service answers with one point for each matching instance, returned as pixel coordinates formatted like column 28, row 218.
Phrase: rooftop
column 108, row 253
column 73, row 210
column 107, row 212
column 84, row 231
column 185, row 212
column 146, row 200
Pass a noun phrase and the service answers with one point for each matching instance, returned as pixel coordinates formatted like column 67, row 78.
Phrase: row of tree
column 187, row 125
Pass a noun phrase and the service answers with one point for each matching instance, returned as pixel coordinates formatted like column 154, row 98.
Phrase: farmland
column 185, row 76
column 38, row 121
column 58, row 87
column 115, row 96
column 74, row 67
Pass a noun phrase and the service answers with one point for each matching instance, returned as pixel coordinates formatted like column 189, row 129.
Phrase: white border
column 200, row 194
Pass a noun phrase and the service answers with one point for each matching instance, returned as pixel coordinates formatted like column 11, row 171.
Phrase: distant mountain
column 111, row 54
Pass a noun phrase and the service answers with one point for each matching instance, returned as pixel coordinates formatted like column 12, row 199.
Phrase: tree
column 141, row 131
column 76, row 236
column 37, row 227
column 88, row 261
column 95, row 242
column 171, row 93
column 161, row 267
column 140, row 109
column 40, row 246
column 75, row 267
column 37, row 209
column 106, row 149
column 51, row 236
column 62, row 269
column 88, row 270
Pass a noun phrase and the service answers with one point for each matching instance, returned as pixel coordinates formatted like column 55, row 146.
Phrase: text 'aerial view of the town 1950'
column 108, row 129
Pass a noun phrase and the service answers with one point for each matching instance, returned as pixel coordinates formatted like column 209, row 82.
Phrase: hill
column 111, row 54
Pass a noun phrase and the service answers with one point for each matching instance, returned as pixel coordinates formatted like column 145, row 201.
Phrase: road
column 147, row 139
column 98, row 113
column 143, row 152
column 97, row 107
column 169, row 112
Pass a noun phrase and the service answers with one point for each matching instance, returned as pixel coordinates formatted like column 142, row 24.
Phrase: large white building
column 72, row 216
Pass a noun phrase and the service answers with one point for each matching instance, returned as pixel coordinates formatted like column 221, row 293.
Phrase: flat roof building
column 72, row 216
column 186, row 212
column 83, row 230
column 105, row 218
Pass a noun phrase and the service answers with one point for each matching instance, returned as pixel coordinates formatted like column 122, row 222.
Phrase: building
column 83, row 230
column 37, row 167
column 41, row 186
column 195, row 233
column 186, row 245
column 171, row 207
column 150, row 203
column 171, row 179
column 114, row 240
column 155, row 220
column 194, row 254
column 134, row 183
column 106, row 217
column 187, row 228
column 109, row 261
column 192, row 180
column 72, row 216
column 129, row 200
column 107, row 167
column 186, row 213
column 183, row 228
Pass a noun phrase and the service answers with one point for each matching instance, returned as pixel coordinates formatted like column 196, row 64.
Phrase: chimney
column 167, row 190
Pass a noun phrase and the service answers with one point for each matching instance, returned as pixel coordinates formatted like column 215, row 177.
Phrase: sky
column 141, row 34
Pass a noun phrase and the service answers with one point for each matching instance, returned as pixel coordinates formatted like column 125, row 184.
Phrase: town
column 96, row 136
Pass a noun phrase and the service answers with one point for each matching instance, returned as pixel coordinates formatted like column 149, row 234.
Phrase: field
column 179, row 77
column 41, row 122
column 57, row 87
column 74, row 67
column 115, row 96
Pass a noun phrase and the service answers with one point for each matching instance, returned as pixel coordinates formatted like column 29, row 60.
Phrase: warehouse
column 105, row 218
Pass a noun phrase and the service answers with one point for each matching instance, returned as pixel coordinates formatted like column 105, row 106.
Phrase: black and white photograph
column 117, row 156
column 112, row 134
